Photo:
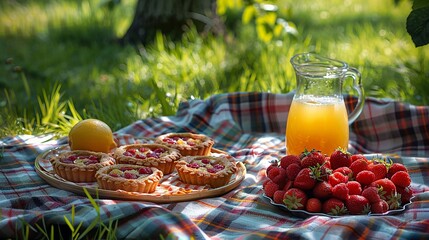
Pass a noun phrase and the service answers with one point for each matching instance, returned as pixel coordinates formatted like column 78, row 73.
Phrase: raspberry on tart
column 148, row 155
column 80, row 165
column 215, row 171
column 130, row 178
column 189, row 144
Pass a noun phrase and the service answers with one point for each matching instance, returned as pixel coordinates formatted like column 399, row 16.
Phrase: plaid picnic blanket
column 250, row 127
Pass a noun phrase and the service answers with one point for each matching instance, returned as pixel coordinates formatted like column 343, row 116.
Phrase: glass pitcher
column 318, row 117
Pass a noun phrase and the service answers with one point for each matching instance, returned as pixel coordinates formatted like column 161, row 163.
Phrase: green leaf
column 278, row 29
column 263, row 34
column 248, row 13
column 269, row 18
column 418, row 26
column 221, row 7
column 272, row 18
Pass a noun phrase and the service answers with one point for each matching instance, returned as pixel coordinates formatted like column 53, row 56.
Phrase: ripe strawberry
column 278, row 196
column 365, row 177
column 322, row 190
column 270, row 188
column 401, row 179
column 354, row 187
column 295, row 198
column 385, row 187
column 371, row 193
column 304, row 180
column 396, row 167
column 288, row 160
column 265, row 183
column 379, row 207
column 336, row 178
column 273, row 164
column 357, row 204
column 325, row 171
column 288, row 185
column 334, row 206
column 281, row 178
column 327, row 162
column 293, row 170
column 346, row 171
column 340, row 191
column 304, row 153
column 320, row 173
column 313, row 205
column 340, row 158
column 274, row 172
column 406, row 194
column 379, row 170
column 278, row 176
column 355, row 157
column 358, row 166
column 312, row 159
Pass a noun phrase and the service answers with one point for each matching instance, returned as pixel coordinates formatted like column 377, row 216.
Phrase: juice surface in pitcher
column 317, row 123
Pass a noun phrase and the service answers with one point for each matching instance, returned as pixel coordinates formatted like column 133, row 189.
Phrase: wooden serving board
column 170, row 189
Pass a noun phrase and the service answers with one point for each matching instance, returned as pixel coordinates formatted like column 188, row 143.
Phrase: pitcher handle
column 357, row 85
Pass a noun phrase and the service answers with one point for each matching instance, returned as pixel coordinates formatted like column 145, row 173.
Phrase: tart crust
column 76, row 170
column 145, row 183
column 164, row 161
column 191, row 174
column 194, row 145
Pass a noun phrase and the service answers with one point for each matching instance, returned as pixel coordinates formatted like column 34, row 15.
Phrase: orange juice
column 317, row 123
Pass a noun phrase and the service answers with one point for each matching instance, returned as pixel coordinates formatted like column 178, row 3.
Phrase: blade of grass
column 69, row 224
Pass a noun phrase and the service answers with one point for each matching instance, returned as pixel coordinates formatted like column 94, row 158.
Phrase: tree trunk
column 169, row 17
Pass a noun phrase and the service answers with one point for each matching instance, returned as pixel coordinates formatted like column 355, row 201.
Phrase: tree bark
column 169, row 17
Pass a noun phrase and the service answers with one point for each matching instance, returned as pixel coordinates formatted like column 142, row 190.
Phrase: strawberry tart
column 189, row 144
column 130, row 178
column 149, row 155
column 215, row 171
column 80, row 165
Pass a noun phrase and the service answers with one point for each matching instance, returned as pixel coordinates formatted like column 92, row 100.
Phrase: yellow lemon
column 92, row 135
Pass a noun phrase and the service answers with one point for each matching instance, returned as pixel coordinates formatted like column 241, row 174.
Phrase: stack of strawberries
column 338, row 184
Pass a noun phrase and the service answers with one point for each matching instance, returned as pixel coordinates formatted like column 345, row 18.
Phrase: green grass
column 65, row 55
column 98, row 228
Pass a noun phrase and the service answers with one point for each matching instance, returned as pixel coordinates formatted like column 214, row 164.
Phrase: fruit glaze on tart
column 130, row 178
column 189, row 144
column 148, row 155
column 206, row 170
column 80, row 165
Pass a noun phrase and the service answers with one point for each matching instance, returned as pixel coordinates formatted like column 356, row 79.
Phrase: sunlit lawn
column 63, row 55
